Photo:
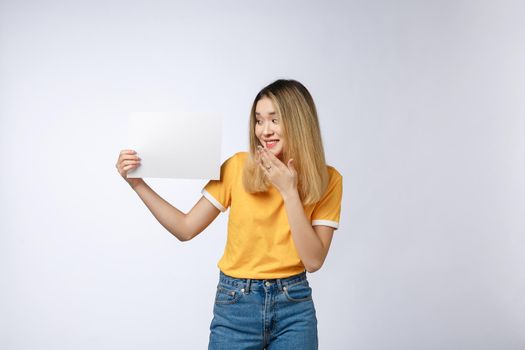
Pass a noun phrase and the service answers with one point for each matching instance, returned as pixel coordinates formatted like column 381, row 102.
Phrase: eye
column 275, row 121
column 258, row 122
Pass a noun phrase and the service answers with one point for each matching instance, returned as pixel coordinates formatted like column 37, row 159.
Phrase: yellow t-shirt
column 259, row 243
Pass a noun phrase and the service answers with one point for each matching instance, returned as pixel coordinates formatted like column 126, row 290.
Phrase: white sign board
column 176, row 145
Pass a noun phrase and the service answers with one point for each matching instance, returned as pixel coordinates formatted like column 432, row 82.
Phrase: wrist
column 290, row 195
column 136, row 183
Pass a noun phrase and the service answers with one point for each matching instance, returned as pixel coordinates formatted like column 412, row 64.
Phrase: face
column 268, row 127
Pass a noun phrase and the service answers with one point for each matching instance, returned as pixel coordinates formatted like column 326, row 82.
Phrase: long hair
column 303, row 143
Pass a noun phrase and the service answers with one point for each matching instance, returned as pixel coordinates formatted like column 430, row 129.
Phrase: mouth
column 270, row 143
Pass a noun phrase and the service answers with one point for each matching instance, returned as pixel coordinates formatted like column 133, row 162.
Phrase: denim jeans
column 273, row 314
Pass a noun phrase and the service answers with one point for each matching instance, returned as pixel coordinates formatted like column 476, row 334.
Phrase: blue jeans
column 269, row 314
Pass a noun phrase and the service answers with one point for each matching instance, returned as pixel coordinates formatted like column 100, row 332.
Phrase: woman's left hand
column 283, row 177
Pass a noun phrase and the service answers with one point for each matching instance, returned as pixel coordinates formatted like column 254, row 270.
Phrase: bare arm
column 312, row 243
column 181, row 225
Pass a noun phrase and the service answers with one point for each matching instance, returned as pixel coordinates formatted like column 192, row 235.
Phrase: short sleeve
column 328, row 210
column 218, row 192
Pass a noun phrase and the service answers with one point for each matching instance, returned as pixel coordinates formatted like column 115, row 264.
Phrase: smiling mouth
column 271, row 144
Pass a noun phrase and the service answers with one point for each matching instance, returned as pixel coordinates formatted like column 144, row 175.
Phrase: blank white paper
column 176, row 145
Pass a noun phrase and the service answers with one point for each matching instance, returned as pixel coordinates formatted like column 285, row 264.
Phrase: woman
column 284, row 205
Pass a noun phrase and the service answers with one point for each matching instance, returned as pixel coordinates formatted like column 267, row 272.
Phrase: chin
column 277, row 153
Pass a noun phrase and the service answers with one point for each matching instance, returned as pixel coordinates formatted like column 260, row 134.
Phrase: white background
column 421, row 106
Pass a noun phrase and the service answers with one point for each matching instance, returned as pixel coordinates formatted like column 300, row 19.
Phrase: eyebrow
column 271, row 113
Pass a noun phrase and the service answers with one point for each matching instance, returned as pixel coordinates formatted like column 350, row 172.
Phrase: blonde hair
column 303, row 143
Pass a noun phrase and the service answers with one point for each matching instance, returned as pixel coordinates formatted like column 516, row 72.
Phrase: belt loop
column 279, row 283
column 248, row 285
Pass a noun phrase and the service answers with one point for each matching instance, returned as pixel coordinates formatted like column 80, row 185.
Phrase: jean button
column 267, row 284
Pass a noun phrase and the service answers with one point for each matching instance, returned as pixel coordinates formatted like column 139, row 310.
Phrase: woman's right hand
column 128, row 160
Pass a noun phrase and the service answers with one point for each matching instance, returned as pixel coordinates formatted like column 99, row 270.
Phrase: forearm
column 307, row 242
column 166, row 214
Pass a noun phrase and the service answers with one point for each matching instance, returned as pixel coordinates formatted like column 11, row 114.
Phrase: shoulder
column 240, row 156
column 335, row 181
column 236, row 159
column 334, row 175
column 234, row 163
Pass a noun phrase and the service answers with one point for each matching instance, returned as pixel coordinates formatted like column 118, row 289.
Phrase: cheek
column 281, row 136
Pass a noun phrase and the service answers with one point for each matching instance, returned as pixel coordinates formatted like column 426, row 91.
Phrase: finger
column 269, row 155
column 128, row 157
column 265, row 156
column 127, row 151
column 129, row 167
column 263, row 160
column 291, row 165
column 272, row 159
column 266, row 163
column 264, row 170
column 127, row 163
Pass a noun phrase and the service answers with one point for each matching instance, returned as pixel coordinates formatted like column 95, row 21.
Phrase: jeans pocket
column 298, row 292
column 227, row 295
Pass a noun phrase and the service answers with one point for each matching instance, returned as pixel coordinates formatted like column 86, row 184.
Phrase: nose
column 267, row 130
